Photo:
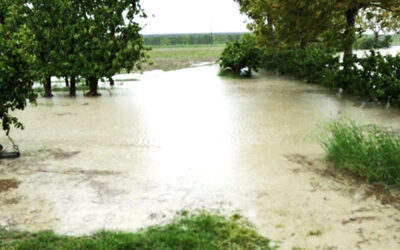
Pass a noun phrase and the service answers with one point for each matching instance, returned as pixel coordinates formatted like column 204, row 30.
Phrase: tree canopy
column 16, row 62
column 281, row 24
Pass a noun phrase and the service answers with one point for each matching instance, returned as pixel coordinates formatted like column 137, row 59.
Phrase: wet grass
column 368, row 151
column 200, row 231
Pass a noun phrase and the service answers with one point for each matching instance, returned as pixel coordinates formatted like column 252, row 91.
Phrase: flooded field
column 163, row 142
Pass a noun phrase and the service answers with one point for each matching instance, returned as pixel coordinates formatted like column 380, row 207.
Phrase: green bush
column 374, row 77
column 241, row 57
column 368, row 151
column 312, row 64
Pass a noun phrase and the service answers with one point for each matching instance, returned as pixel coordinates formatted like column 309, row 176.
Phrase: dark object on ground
column 8, row 155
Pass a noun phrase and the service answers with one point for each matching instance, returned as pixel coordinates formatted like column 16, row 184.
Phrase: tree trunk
column 47, row 87
column 112, row 83
column 376, row 39
column 72, row 88
column 66, row 81
column 349, row 34
column 303, row 43
column 93, row 83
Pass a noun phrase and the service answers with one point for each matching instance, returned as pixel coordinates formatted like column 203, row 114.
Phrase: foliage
column 240, row 56
column 16, row 75
column 378, row 20
column 374, row 76
column 368, row 151
column 46, row 21
column 312, row 64
column 284, row 24
column 201, row 231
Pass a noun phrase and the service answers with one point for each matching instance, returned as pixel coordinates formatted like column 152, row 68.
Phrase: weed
column 368, row 151
column 315, row 233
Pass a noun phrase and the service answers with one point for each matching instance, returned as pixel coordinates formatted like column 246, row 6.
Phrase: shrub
column 374, row 77
column 312, row 64
column 368, row 151
column 241, row 57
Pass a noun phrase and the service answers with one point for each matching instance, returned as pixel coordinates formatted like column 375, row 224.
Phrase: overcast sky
column 192, row 16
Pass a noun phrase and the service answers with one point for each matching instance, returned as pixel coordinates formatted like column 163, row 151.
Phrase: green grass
column 192, row 53
column 367, row 151
column 200, row 231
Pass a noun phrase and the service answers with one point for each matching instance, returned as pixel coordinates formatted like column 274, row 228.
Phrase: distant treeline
column 376, row 42
column 190, row 39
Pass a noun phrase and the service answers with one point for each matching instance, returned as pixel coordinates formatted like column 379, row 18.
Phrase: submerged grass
column 200, row 231
column 368, row 151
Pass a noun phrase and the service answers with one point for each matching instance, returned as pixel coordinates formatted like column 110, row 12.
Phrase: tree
column 110, row 38
column 46, row 20
column 16, row 75
column 286, row 23
column 350, row 9
column 378, row 20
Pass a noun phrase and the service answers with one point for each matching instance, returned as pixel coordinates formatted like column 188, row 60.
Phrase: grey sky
column 192, row 16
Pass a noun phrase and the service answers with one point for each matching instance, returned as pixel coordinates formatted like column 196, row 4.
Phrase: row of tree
column 90, row 39
column 336, row 23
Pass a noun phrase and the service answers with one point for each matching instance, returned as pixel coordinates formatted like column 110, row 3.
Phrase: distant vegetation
column 396, row 39
column 178, row 57
column 202, row 231
column 368, row 151
column 190, row 39
column 370, row 42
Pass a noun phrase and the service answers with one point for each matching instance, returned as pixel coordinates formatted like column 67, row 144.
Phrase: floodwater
column 188, row 140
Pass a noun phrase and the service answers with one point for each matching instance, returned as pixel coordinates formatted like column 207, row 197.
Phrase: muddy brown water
column 188, row 140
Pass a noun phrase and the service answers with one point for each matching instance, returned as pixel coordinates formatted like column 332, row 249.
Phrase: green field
column 177, row 57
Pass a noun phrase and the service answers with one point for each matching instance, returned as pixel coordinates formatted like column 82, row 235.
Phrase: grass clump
column 201, row 231
column 315, row 233
column 368, row 151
